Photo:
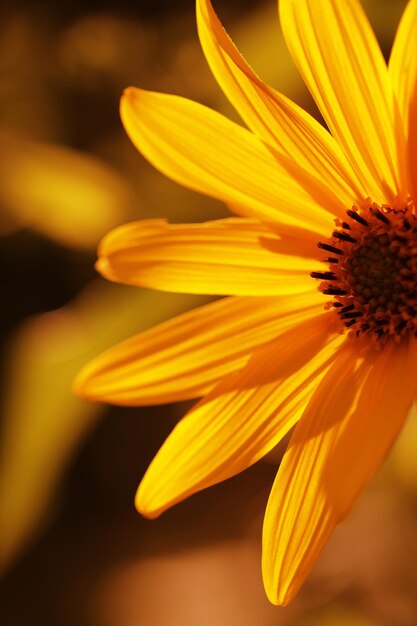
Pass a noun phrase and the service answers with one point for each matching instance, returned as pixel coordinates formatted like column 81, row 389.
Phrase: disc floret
column 372, row 274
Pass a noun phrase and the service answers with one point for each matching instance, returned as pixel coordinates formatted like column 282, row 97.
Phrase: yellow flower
column 314, row 209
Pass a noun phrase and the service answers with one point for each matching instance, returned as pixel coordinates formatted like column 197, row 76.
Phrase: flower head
column 319, row 327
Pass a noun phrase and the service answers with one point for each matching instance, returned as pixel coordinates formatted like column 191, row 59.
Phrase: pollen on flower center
column 373, row 271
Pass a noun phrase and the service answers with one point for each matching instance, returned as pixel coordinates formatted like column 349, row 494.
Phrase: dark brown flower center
column 372, row 274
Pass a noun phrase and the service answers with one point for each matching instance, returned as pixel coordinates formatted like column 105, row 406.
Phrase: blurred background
column 73, row 551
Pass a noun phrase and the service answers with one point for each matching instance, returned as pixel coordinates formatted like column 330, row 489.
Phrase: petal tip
column 83, row 385
column 80, row 388
column 129, row 98
column 102, row 266
column 143, row 507
column 276, row 595
column 129, row 92
column 280, row 589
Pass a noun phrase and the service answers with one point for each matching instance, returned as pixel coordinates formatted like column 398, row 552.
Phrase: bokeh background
column 73, row 551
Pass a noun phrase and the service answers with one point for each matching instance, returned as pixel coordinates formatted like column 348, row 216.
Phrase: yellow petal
column 403, row 63
column 184, row 357
column 242, row 419
column 66, row 195
column 225, row 257
column 403, row 74
column 203, row 150
column 274, row 118
column 347, row 429
column 43, row 423
column 336, row 51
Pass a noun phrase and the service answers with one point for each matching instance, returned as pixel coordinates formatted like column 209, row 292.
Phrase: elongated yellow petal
column 336, row 51
column 184, row 357
column 342, row 438
column 43, row 423
column 403, row 63
column 274, row 118
column 403, row 74
column 225, row 257
column 203, row 150
column 69, row 196
column 241, row 419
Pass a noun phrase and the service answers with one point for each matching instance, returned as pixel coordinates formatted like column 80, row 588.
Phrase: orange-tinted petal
column 241, row 419
column 205, row 151
column 225, row 257
column 336, row 51
column 184, row 357
column 274, row 118
column 403, row 73
column 347, row 429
